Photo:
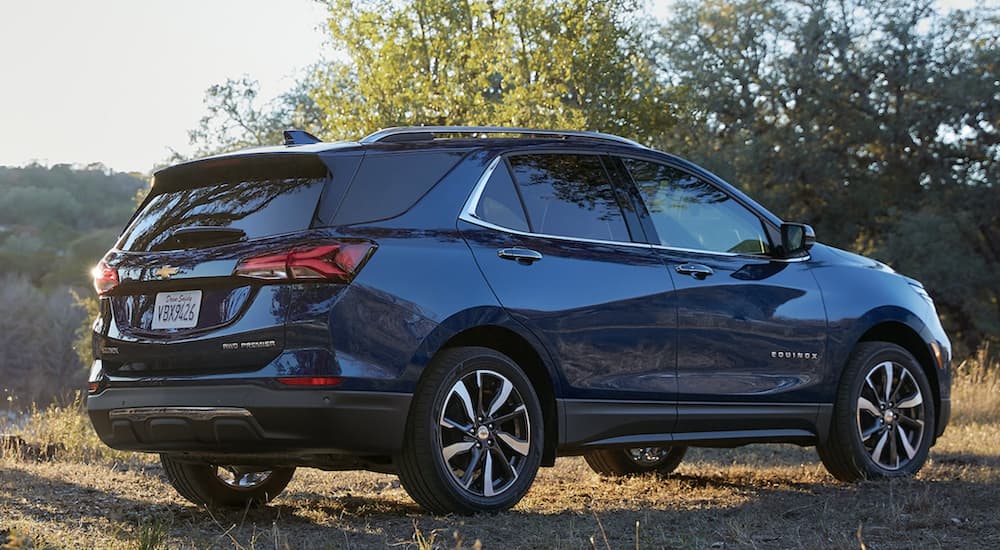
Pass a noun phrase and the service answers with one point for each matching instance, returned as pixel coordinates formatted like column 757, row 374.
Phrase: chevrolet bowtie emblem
column 166, row 272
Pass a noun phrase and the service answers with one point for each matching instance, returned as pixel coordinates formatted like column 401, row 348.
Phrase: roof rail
column 421, row 133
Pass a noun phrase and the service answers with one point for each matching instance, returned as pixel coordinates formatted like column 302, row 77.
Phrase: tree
column 572, row 64
column 868, row 119
column 237, row 119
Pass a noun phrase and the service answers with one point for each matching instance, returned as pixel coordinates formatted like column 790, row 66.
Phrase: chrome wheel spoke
column 501, row 397
column 869, row 407
column 893, row 448
column 488, row 476
column 519, row 411
column 507, row 468
column 449, row 423
column 462, row 392
column 911, row 423
column 877, row 451
column 903, row 375
column 450, row 451
column 912, row 401
column 867, row 434
column 519, row 446
column 910, row 451
column 470, row 470
column 887, row 367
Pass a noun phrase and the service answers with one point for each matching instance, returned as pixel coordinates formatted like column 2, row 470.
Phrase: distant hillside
column 56, row 222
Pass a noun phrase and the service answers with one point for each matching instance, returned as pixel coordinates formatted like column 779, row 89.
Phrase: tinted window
column 569, row 195
column 499, row 203
column 388, row 184
column 258, row 208
column 691, row 213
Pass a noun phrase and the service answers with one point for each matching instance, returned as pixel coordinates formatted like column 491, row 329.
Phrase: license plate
column 176, row 309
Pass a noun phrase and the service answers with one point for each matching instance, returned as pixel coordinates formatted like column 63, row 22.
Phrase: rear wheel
column 229, row 486
column 637, row 460
column 474, row 435
column 883, row 419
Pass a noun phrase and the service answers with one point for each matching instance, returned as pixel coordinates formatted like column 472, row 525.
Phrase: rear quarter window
column 389, row 184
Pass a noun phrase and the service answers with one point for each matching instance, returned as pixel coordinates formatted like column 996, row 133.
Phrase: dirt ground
column 755, row 497
column 752, row 497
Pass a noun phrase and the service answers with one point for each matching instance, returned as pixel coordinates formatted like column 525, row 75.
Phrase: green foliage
column 576, row 64
column 55, row 223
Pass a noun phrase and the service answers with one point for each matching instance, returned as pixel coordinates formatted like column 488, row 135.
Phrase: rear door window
column 569, row 195
column 257, row 208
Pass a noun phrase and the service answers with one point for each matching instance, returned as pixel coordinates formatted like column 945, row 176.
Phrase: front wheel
column 883, row 419
column 474, row 434
column 635, row 461
column 225, row 485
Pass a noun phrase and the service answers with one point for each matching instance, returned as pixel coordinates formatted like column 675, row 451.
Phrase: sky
column 120, row 82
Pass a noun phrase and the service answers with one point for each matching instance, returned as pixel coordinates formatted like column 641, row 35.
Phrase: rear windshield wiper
column 186, row 237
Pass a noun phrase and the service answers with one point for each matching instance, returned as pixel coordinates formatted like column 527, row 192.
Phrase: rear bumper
column 249, row 419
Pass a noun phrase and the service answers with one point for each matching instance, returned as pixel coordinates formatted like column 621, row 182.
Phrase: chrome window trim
column 468, row 214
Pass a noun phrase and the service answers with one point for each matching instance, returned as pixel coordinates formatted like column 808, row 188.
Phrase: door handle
column 522, row 255
column 698, row 271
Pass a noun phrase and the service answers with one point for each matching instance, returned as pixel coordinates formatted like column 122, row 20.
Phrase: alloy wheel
column 648, row 456
column 238, row 478
column 891, row 415
column 485, row 433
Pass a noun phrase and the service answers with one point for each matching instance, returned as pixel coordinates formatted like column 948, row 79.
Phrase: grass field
column 752, row 497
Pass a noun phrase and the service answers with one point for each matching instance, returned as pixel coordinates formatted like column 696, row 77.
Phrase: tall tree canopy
column 555, row 64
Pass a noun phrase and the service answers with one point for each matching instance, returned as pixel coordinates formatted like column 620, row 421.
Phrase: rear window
column 258, row 208
column 569, row 195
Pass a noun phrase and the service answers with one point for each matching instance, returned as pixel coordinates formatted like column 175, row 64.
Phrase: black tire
column 204, row 484
column 635, row 461
column 505, row 428
column 874, row 435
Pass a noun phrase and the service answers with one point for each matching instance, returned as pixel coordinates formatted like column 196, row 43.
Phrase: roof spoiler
column 300, row 137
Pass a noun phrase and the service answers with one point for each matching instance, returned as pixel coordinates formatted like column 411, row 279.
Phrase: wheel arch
column 905, row 336
column 527, row 356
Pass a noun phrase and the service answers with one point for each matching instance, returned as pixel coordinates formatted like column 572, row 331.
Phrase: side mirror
column 796, row 238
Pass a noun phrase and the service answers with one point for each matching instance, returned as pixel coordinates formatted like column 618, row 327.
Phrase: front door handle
column 522, row 255
column 698, row 271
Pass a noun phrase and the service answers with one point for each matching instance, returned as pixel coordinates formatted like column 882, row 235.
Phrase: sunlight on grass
column 755, row 496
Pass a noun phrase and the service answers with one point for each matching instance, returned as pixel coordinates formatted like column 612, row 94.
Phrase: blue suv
column 461, row 305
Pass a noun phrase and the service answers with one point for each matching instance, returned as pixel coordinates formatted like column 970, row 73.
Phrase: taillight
column 105, row 278
column 338, row 262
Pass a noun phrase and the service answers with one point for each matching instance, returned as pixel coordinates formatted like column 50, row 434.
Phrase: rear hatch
column 177, row 294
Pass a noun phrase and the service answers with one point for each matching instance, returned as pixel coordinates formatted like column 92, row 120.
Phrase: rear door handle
column 698, row 271
column 522, row 255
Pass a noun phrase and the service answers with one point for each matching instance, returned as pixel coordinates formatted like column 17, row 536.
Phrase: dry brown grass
column 754, row 497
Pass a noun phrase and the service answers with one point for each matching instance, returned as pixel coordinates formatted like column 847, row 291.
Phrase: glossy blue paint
column 754, row 330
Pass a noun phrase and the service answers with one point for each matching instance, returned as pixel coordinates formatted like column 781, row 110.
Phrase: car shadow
column 777, row 509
